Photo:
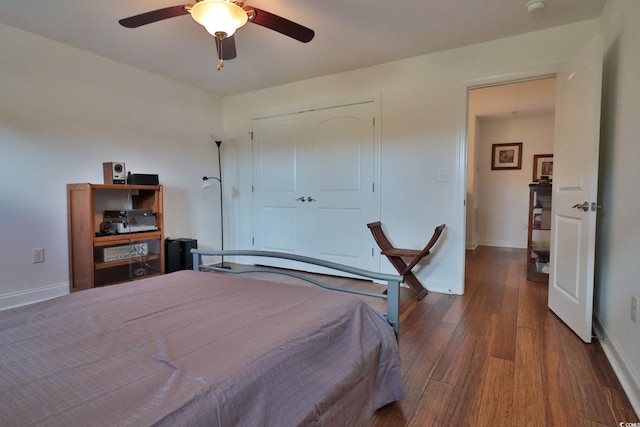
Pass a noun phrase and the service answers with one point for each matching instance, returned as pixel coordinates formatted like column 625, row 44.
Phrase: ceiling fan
column 221, row 18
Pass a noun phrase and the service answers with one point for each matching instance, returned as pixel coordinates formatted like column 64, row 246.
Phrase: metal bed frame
column 392, row 295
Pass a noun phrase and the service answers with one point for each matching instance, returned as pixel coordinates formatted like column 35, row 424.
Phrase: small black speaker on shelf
column 171, row 256
column 186, row 258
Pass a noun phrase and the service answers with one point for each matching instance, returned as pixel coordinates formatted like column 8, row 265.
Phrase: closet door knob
column 311, row 199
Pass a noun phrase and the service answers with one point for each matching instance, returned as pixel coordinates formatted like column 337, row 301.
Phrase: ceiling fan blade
column 226, row 48
column 155, row 16
column 280, row 24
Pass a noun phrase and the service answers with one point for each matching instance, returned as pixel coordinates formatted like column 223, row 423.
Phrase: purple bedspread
column 192, row 348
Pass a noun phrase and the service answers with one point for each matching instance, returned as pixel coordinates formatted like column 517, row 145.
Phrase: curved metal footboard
column 393, row 281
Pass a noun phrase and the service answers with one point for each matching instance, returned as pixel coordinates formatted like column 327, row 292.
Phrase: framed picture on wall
column 506, row 156
column 542, row 166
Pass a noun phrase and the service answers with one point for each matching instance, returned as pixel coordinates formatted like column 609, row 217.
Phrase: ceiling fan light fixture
column 219, row 16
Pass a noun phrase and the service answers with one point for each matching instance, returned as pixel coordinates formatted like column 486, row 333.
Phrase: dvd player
column 131, row 220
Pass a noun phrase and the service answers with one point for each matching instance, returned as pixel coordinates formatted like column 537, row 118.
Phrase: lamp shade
column 219, row 16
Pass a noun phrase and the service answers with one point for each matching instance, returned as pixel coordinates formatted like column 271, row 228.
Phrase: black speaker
column 171, row 256
column 186, row 258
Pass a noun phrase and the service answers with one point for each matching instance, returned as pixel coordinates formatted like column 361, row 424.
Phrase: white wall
column 503, row 195
column 618, row 241
column 62, row 113
column 423, row 111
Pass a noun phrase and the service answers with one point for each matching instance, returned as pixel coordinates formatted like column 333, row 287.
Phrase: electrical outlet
column 634, row 308
column 37, row 255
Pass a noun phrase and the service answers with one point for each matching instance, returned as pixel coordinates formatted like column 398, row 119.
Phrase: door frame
column 463, row 146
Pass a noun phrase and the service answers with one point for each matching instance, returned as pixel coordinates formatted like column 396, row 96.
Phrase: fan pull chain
column 219, row 37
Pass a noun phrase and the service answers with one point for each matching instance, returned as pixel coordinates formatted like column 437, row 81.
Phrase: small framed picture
column 506, row 156
column 542, row 166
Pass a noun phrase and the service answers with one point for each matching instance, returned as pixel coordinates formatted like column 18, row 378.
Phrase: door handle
column 300, row 199
column 311, row 199
column 584, row 206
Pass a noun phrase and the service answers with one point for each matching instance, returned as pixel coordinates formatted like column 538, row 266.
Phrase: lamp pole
column 219, row 179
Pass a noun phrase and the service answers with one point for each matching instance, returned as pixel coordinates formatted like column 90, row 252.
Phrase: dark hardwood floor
column 497, row 356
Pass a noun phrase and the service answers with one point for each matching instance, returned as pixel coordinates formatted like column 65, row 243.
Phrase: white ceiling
column 350, row 34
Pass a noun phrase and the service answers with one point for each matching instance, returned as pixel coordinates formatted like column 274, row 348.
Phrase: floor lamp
column 206, row 183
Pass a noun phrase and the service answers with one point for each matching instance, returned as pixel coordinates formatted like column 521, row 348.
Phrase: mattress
column 194, row 348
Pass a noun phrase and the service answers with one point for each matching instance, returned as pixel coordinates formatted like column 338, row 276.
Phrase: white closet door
column 276, row 150
column 314, row 184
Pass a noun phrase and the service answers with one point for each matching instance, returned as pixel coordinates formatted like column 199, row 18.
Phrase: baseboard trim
column 16, row 299
column 441, row 287
column 629, row 381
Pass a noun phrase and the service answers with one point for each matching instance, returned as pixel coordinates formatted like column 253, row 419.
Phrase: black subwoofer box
column 171, row 256
column 186, row 258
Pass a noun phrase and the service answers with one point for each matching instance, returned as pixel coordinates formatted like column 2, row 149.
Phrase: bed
column 196, row 348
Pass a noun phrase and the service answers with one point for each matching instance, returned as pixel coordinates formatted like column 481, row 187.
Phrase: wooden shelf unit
column 539, row 233
column 86, row 204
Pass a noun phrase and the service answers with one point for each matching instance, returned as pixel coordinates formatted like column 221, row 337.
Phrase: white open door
column 575, row 189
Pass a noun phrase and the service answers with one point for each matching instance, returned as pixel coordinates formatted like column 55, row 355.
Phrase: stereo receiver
column 128, row 251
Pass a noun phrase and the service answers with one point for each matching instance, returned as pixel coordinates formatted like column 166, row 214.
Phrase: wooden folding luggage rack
column 397, row 256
